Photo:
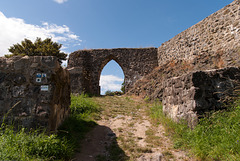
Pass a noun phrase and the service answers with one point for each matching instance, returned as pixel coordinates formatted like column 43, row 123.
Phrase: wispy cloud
column 14, row 30
column 60, row 1
column 110, row 82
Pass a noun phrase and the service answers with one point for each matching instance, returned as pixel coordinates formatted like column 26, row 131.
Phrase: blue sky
column 91, row 24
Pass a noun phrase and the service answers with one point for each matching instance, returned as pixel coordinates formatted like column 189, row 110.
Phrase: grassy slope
column 216, row 137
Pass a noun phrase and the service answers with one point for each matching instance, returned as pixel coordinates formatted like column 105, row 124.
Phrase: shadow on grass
column 92, row 142
column 74, row 129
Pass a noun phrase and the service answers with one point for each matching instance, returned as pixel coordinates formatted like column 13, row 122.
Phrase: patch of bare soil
column 125, row 132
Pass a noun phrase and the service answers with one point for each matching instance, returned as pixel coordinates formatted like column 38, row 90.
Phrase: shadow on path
column 100, row 144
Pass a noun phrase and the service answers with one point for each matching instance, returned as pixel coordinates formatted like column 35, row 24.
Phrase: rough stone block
column 34, row 91
column 208, row 92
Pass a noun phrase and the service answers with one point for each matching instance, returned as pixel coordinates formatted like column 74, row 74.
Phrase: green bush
column 38, row 48
column 113, row 93
column 109, row 93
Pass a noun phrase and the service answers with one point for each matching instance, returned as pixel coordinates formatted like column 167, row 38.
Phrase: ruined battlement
column 85, row 66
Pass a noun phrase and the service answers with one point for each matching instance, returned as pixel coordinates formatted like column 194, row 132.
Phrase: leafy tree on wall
column 39, row 48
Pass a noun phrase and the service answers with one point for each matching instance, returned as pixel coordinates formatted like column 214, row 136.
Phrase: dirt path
column 125, row 132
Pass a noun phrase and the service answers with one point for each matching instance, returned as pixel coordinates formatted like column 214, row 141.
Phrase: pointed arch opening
column 111, row 77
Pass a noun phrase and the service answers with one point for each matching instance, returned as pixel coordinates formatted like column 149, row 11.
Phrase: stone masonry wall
column 191, row 95
column 85, row 66
column 213, row 43
column 218, row 34
column 41, row 88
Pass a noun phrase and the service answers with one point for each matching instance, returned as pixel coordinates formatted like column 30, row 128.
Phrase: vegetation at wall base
column 80, row 121
column 35, row 145
column 216, row 137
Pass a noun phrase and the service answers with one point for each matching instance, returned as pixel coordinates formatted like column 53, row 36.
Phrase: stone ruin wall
column 213, row 43
column 85, row 66
column 217, row 35
column 191, row 95
column 41, row 88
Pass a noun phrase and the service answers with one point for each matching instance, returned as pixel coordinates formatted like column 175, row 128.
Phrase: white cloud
column 60, row 1
column 110, row 82
column 14, row 30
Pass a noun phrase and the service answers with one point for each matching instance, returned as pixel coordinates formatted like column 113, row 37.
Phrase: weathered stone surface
column 213, row 43
column 217, row 34
column 41, row 103
column 85, row 66
column 191, row 95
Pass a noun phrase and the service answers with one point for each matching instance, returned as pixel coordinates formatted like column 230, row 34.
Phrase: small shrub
column 113, row 93
column 109, row 93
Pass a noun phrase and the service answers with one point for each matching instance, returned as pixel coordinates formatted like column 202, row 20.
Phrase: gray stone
column 85, row 66
column 20, row 95
column 208, row 92
column 210, row 51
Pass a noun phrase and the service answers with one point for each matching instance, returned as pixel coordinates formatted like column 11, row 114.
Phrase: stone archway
column 114, row 73
column 106, row 61
column 85, row 66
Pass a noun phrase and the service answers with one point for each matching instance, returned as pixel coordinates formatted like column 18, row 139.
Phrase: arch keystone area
column 85, row 66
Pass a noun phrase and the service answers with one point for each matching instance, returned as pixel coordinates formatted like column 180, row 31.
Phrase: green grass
column 83, row 110
column 23, row 145
column 35, row 145
column 83, row 105
column 216, row 137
